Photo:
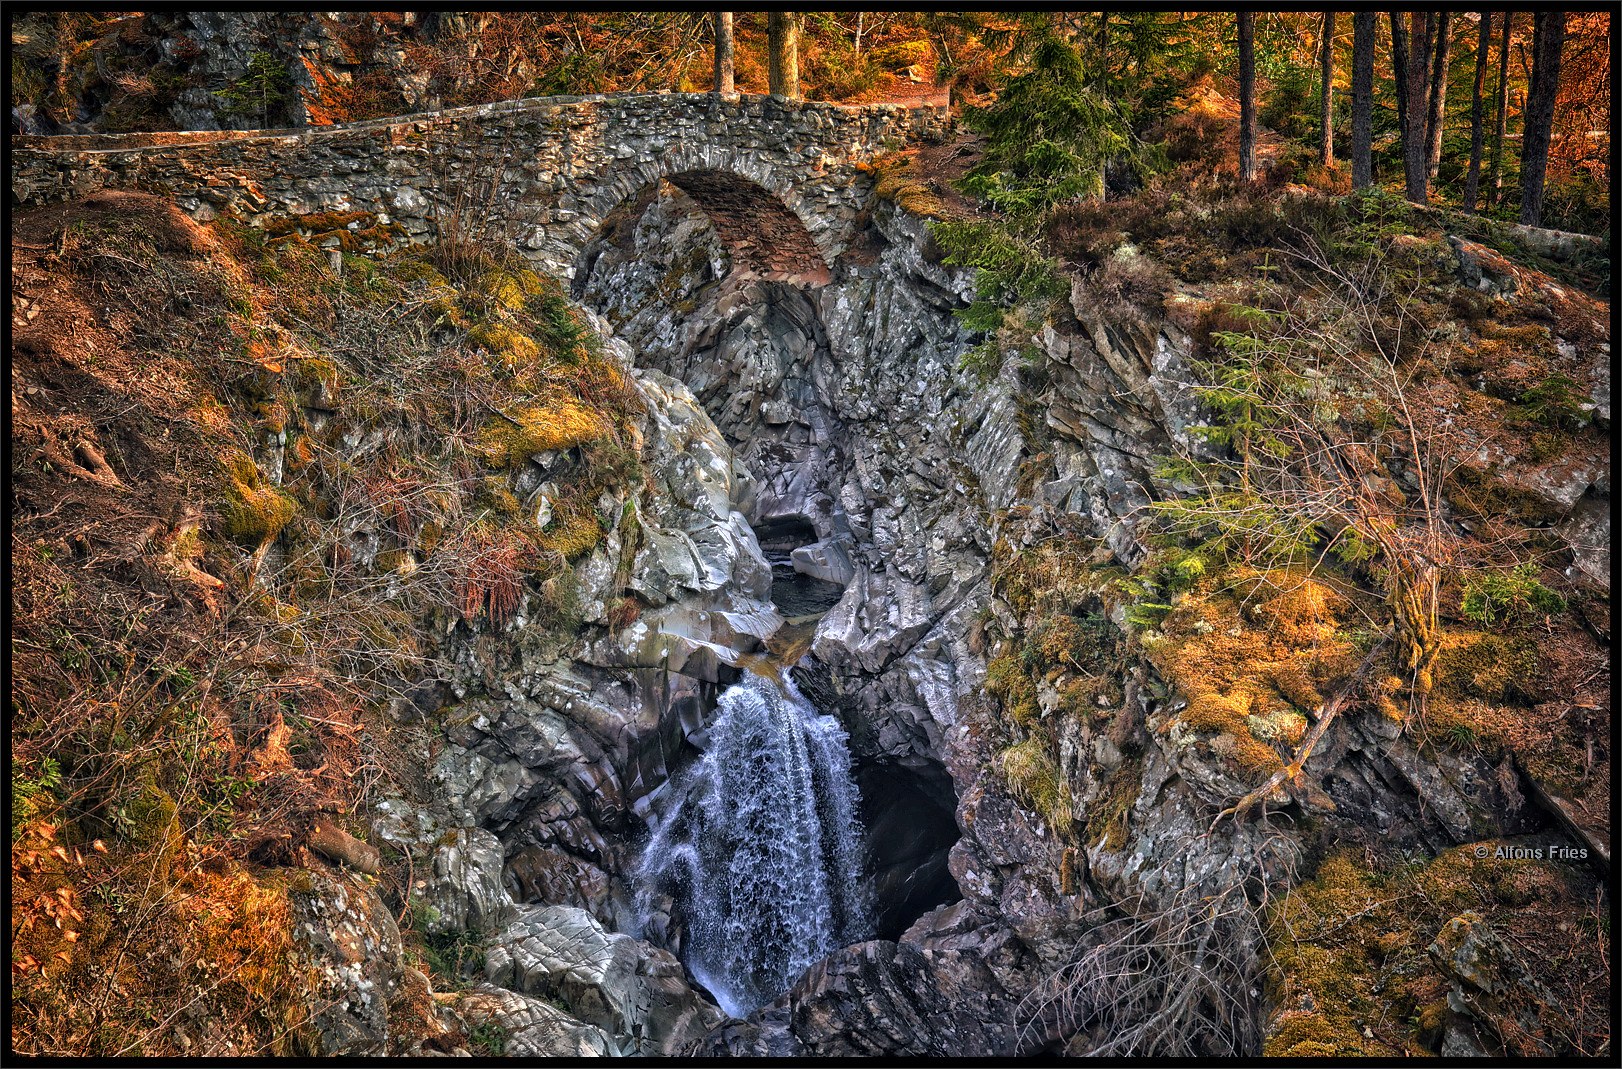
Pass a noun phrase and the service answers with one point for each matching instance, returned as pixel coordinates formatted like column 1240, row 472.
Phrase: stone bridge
column 782, row 179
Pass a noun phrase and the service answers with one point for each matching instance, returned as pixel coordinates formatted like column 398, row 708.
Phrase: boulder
column 882, row 999
column 352, row 946
column 463, row 890
column 1495, row 1003
column 552, row 875
column 534, row 1028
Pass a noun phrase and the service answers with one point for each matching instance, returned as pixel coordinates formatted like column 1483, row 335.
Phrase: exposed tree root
column 1289, row 772
column 103, row 476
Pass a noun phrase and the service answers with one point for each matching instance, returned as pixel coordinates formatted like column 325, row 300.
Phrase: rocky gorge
column 814, row 488
column 833, row 424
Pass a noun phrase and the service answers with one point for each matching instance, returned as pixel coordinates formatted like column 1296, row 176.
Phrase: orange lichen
column 1252, row 659
column 563, row 423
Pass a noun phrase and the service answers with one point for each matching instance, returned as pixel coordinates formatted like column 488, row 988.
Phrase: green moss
column 311, row 370
column 1317, row 1035
column 494, row 495
column 252, row 514
column 418, row 271
column 149, row 817
column 506, row 341
column 1008, row 681
column 1483, row 494
column 1545, row 446
column 505, row 289
column 319, row 223
column 898, row 180
column 566, row 422
column 1493, row 668
column 1348, row 947
column 573, row 530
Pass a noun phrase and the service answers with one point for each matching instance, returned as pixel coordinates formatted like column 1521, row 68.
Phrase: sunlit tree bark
column 1495, row 174
column 723, row 52
column 1436, row 107
column 1483, row 46
column 783, row 53
column 1326, row 107
column 1413, row 133
column 1399, row 73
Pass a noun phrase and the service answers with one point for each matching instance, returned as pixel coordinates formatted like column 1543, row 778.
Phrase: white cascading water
column 762, row 848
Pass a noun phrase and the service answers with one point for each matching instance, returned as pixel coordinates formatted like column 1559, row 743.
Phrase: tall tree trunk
column 1413, row 135
column 1436, row 106
column 1495, row 175
column 1399, row 70
column 1326, row 107
column 1548, row 37
column 1247, row 97
column 1483, row 46
column 783, row 53
column 1101, row 79
column 723, row 52
column 1364, row 29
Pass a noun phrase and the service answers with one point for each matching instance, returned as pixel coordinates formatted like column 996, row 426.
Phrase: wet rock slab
column 628, row 988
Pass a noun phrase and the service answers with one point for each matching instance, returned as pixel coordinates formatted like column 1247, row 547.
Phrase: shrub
column 1553, row 402
column 1129, row 286
column 1508, row 597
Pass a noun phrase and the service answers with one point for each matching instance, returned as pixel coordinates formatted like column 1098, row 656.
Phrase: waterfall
column 762, row 847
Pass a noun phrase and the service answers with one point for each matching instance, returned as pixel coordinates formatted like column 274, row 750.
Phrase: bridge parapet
column 544, row 171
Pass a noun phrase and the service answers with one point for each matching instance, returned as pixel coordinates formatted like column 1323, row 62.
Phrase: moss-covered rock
column 253, row 513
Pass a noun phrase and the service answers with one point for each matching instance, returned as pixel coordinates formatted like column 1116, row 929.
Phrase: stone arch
column 760, row 218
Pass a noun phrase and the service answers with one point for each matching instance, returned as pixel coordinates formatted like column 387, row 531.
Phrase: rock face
column 633, row 991
column 1491, row 987
column 823, row 490
column 535, row 1029
column 884, row 462
column 463, row 891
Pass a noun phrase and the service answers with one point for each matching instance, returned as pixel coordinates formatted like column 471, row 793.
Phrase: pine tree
column 1363, row 34
column 1326, row 107
column 1548, row 38
column 723, row 52
column 1247, row 96
column 1436, row 106
column 1047, row 138
column 1495, row 174
column 783, row 54
column 1483, row 46
column 1413, row 131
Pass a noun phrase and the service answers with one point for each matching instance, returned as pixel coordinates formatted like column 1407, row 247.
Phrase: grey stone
column 634, row 991
column 352, row 945
column 534, row 1028
column 463, row 889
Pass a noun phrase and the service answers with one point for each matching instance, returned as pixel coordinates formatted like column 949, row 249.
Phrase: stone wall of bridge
column 542, row 172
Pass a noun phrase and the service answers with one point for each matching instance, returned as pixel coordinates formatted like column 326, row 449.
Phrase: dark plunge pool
column 795, row 594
